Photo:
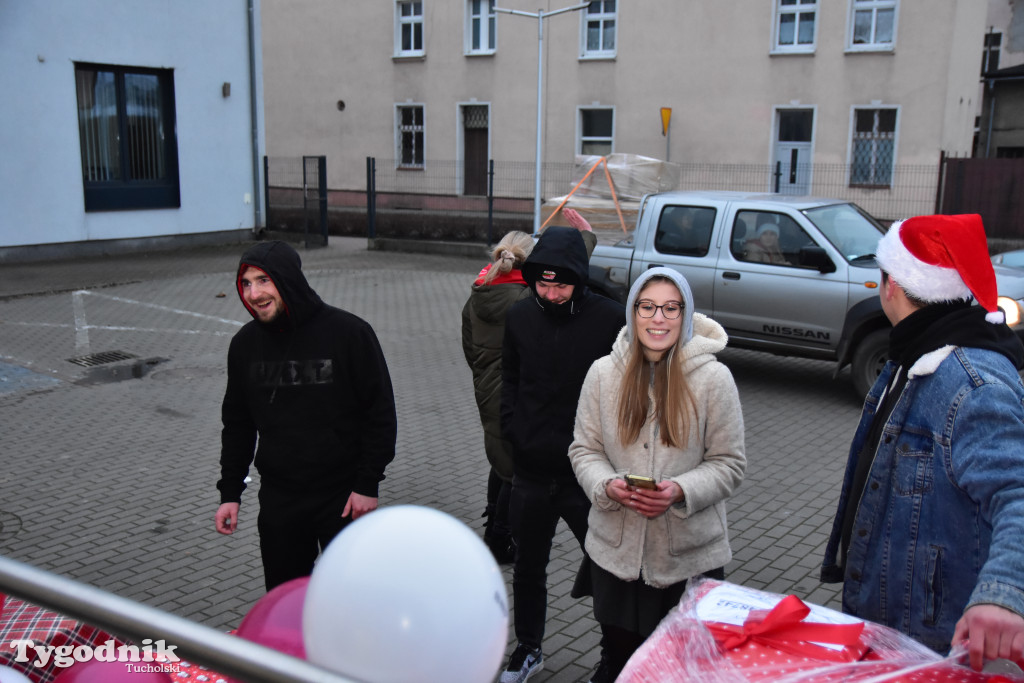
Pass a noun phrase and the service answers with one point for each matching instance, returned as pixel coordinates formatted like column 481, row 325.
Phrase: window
column 684, row 230
column 795, row 25
column 409, row 29
column 767, row 237
column 990, row 55
column 873, row 146
column 599, row 21
column 872, row 24
column 127, row 130
column 410, row 136
column 596, row 131
column 481, row 27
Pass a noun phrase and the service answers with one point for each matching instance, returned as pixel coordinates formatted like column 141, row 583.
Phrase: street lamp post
column 540, row 17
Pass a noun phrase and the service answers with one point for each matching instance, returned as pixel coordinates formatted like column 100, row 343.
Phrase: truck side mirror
column 814, row 256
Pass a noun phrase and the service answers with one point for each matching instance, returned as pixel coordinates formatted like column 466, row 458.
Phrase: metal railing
column 439, row 200
column 225, row 654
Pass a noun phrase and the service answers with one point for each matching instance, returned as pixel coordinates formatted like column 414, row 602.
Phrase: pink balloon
column 275, row 621
column 95, row 671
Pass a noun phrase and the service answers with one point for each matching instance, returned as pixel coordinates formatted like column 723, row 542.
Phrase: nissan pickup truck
column 811, row 291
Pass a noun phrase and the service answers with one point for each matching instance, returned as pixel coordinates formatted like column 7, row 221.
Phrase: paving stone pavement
column 112, row 483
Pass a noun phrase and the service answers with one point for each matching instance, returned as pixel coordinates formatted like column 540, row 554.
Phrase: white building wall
column 205, row 43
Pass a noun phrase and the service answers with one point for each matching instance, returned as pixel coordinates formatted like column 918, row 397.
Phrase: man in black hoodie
column 551, row 339
column 310, row 381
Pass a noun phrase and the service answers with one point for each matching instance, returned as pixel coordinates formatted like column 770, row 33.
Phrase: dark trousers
column 294, row 529
column 534, row 510
column 496, row 512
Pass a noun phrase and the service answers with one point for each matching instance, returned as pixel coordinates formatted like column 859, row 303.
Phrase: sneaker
column 523, row 663
column 605, row 672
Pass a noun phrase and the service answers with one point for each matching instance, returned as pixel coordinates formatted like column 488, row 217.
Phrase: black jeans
column 294, row 529
column 496, row 512
column 534, row 510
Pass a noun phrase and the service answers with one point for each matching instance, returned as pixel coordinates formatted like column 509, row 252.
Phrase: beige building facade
column 869, row 84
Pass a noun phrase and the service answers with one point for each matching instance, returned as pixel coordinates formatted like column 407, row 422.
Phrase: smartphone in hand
column 641, row 482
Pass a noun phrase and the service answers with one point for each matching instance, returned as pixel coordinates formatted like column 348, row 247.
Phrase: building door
column 794, row 130
column 474, row 137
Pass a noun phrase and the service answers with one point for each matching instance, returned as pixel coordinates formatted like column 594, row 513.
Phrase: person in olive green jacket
column 499, row 285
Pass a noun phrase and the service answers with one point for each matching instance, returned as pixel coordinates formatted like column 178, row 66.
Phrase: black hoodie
column 546, row 353
column 314, row 386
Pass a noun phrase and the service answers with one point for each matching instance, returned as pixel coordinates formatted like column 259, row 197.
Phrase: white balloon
column 9, row 675
column 407, row 594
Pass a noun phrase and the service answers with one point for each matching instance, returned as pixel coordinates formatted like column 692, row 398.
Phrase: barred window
column 410, row 136
column 873, row 147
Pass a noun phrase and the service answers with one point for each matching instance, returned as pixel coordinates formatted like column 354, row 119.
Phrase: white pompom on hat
column 941, row 258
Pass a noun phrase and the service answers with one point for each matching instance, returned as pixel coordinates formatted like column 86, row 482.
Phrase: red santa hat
column 941, row 258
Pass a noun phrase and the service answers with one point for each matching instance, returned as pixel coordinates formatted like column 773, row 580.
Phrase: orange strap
column 611, row 185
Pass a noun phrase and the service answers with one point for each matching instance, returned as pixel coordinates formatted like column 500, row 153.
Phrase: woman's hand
column 618, row 490
column 653, row 503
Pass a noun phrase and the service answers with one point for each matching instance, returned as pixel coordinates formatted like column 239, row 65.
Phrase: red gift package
column 724, row 633
column 22, row 621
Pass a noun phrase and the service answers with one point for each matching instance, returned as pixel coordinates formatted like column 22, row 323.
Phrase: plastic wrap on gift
column 724, row 633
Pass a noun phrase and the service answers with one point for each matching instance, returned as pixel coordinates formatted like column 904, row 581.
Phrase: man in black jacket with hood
column 551, row 339
column 310, row 381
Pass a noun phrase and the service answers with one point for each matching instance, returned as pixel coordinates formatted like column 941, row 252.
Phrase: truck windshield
column 849, row 228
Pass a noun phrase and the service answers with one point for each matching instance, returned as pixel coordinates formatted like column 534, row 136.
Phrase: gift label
column 731, row 604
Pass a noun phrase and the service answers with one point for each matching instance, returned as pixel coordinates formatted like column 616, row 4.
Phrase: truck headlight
column 1011, row 308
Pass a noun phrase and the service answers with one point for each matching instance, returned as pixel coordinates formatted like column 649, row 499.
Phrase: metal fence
column 431, row 202
column 911, row 192
column 295, row 193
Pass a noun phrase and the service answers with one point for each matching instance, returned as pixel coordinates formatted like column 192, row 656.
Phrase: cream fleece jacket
column 691, row 537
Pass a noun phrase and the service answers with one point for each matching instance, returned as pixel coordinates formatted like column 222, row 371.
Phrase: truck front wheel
column 868, row 360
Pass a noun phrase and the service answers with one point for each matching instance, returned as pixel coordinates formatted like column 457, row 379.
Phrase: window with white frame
column 409, row 28
column 481, row 27
column 873, row 24
column 795, row 25
column 409, row 129
column 596, row 131
column 599, row 29
column 873, row 147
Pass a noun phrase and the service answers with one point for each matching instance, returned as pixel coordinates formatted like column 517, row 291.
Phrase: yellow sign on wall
column 666, row 116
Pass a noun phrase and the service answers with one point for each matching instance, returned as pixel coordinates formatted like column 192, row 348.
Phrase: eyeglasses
column 646, row 309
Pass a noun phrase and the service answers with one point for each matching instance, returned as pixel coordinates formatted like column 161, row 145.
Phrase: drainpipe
column 254, row 117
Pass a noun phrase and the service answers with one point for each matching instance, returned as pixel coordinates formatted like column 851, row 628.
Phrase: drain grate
column 102, row 358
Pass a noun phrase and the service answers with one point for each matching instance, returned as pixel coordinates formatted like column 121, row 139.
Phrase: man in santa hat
column 928, row 537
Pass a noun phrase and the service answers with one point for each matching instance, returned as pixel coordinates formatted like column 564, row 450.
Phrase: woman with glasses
column 658, row 448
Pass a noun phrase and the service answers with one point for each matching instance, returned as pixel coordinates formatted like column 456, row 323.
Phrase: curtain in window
column 97, row 124
column 100, row 120
column 145, row 130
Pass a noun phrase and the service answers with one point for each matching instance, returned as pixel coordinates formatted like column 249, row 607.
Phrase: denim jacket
column 940, row 525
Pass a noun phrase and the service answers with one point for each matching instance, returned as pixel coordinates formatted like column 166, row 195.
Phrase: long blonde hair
column 673, row 400
column 508, row 254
